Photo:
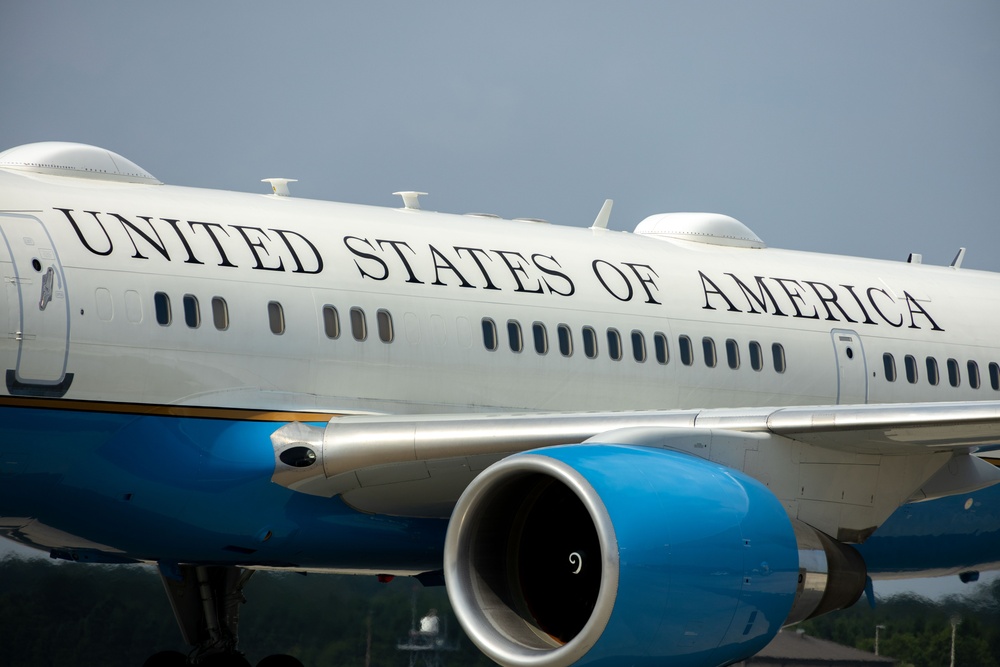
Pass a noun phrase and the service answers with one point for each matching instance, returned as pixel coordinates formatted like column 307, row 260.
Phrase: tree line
column 917, row 631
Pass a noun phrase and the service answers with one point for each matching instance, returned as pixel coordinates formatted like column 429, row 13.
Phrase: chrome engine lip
column 478, row 619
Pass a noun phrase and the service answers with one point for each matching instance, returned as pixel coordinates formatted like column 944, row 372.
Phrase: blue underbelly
column 183, row 489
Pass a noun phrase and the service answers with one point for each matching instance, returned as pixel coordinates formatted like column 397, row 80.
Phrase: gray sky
column 854, row 127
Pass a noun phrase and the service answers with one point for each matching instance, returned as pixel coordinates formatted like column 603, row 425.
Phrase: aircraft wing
column 419, row 465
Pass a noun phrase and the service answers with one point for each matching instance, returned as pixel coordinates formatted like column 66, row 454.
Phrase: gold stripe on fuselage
column 188, row 411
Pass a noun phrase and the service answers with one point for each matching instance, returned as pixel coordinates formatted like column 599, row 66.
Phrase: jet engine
column 599, row 554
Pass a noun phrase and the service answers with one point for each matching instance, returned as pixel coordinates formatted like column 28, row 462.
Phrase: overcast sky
column 868, row 128
column 852, row 127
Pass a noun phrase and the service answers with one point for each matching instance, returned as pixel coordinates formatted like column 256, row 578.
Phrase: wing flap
column 892, row 429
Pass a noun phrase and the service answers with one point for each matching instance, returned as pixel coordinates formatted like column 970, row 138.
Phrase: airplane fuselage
column 214, row 379
column 247, row 287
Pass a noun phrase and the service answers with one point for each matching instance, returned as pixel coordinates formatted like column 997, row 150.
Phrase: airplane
column 612, row 447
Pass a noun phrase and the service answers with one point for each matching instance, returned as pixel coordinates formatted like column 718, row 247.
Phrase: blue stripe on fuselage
column 187, row 490
column 937, row 536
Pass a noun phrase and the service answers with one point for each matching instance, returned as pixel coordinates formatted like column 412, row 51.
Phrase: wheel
column 166, row 659
column 279, row 660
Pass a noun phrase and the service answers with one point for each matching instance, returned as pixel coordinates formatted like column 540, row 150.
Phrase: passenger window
column 133, row 306
column 687, row 354
column 565, row 340
column 733, row 353
column 384, row 321
column 331, row 322
column 932, row 371
column 105, row 304
column 954, row 378
column 220, row 313
column 756, row 356
column 359, row 324
column 995, row 376
column 708, row 349
column 161, row 303
column 638, row 346
column 514, row 335
column 889, row 367
column 541, row 337
column 590, row 342
column 192, row 314
column 614, row 344
column 778, row 354
column 911, row 369
column 973, row 369
column 276, row 318
column 489, row 334
column 660, row 347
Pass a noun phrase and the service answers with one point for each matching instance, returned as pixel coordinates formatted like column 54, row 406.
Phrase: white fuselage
column 426, row 281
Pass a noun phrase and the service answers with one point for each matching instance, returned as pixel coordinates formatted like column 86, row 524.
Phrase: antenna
column 957, row 262
column 411, row 199
column 601, row 221
column 279, row 186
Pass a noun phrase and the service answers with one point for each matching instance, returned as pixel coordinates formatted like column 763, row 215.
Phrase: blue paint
column 708, row 558
column 188, row 490
column 938, row 535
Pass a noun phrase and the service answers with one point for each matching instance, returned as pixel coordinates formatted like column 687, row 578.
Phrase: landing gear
column 206, row 602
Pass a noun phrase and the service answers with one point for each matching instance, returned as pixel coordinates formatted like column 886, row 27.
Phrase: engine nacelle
column 615, row 554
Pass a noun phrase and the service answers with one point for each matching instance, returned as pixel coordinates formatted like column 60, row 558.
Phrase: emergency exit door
column 852, row 371
column 38, row 307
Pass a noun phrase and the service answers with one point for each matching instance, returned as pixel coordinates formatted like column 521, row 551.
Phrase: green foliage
column 58, row 614
column 54, row 615
column 918, row 631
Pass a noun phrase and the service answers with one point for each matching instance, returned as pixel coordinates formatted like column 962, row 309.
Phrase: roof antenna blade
column 957, row 262
column 601, row 221
column 279, row 186
column 411, row 199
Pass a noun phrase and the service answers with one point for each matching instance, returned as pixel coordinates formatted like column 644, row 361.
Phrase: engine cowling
column 614, row 554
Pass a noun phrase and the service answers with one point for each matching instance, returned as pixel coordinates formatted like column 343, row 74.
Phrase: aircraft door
column 852, row 370
column 38, row 306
